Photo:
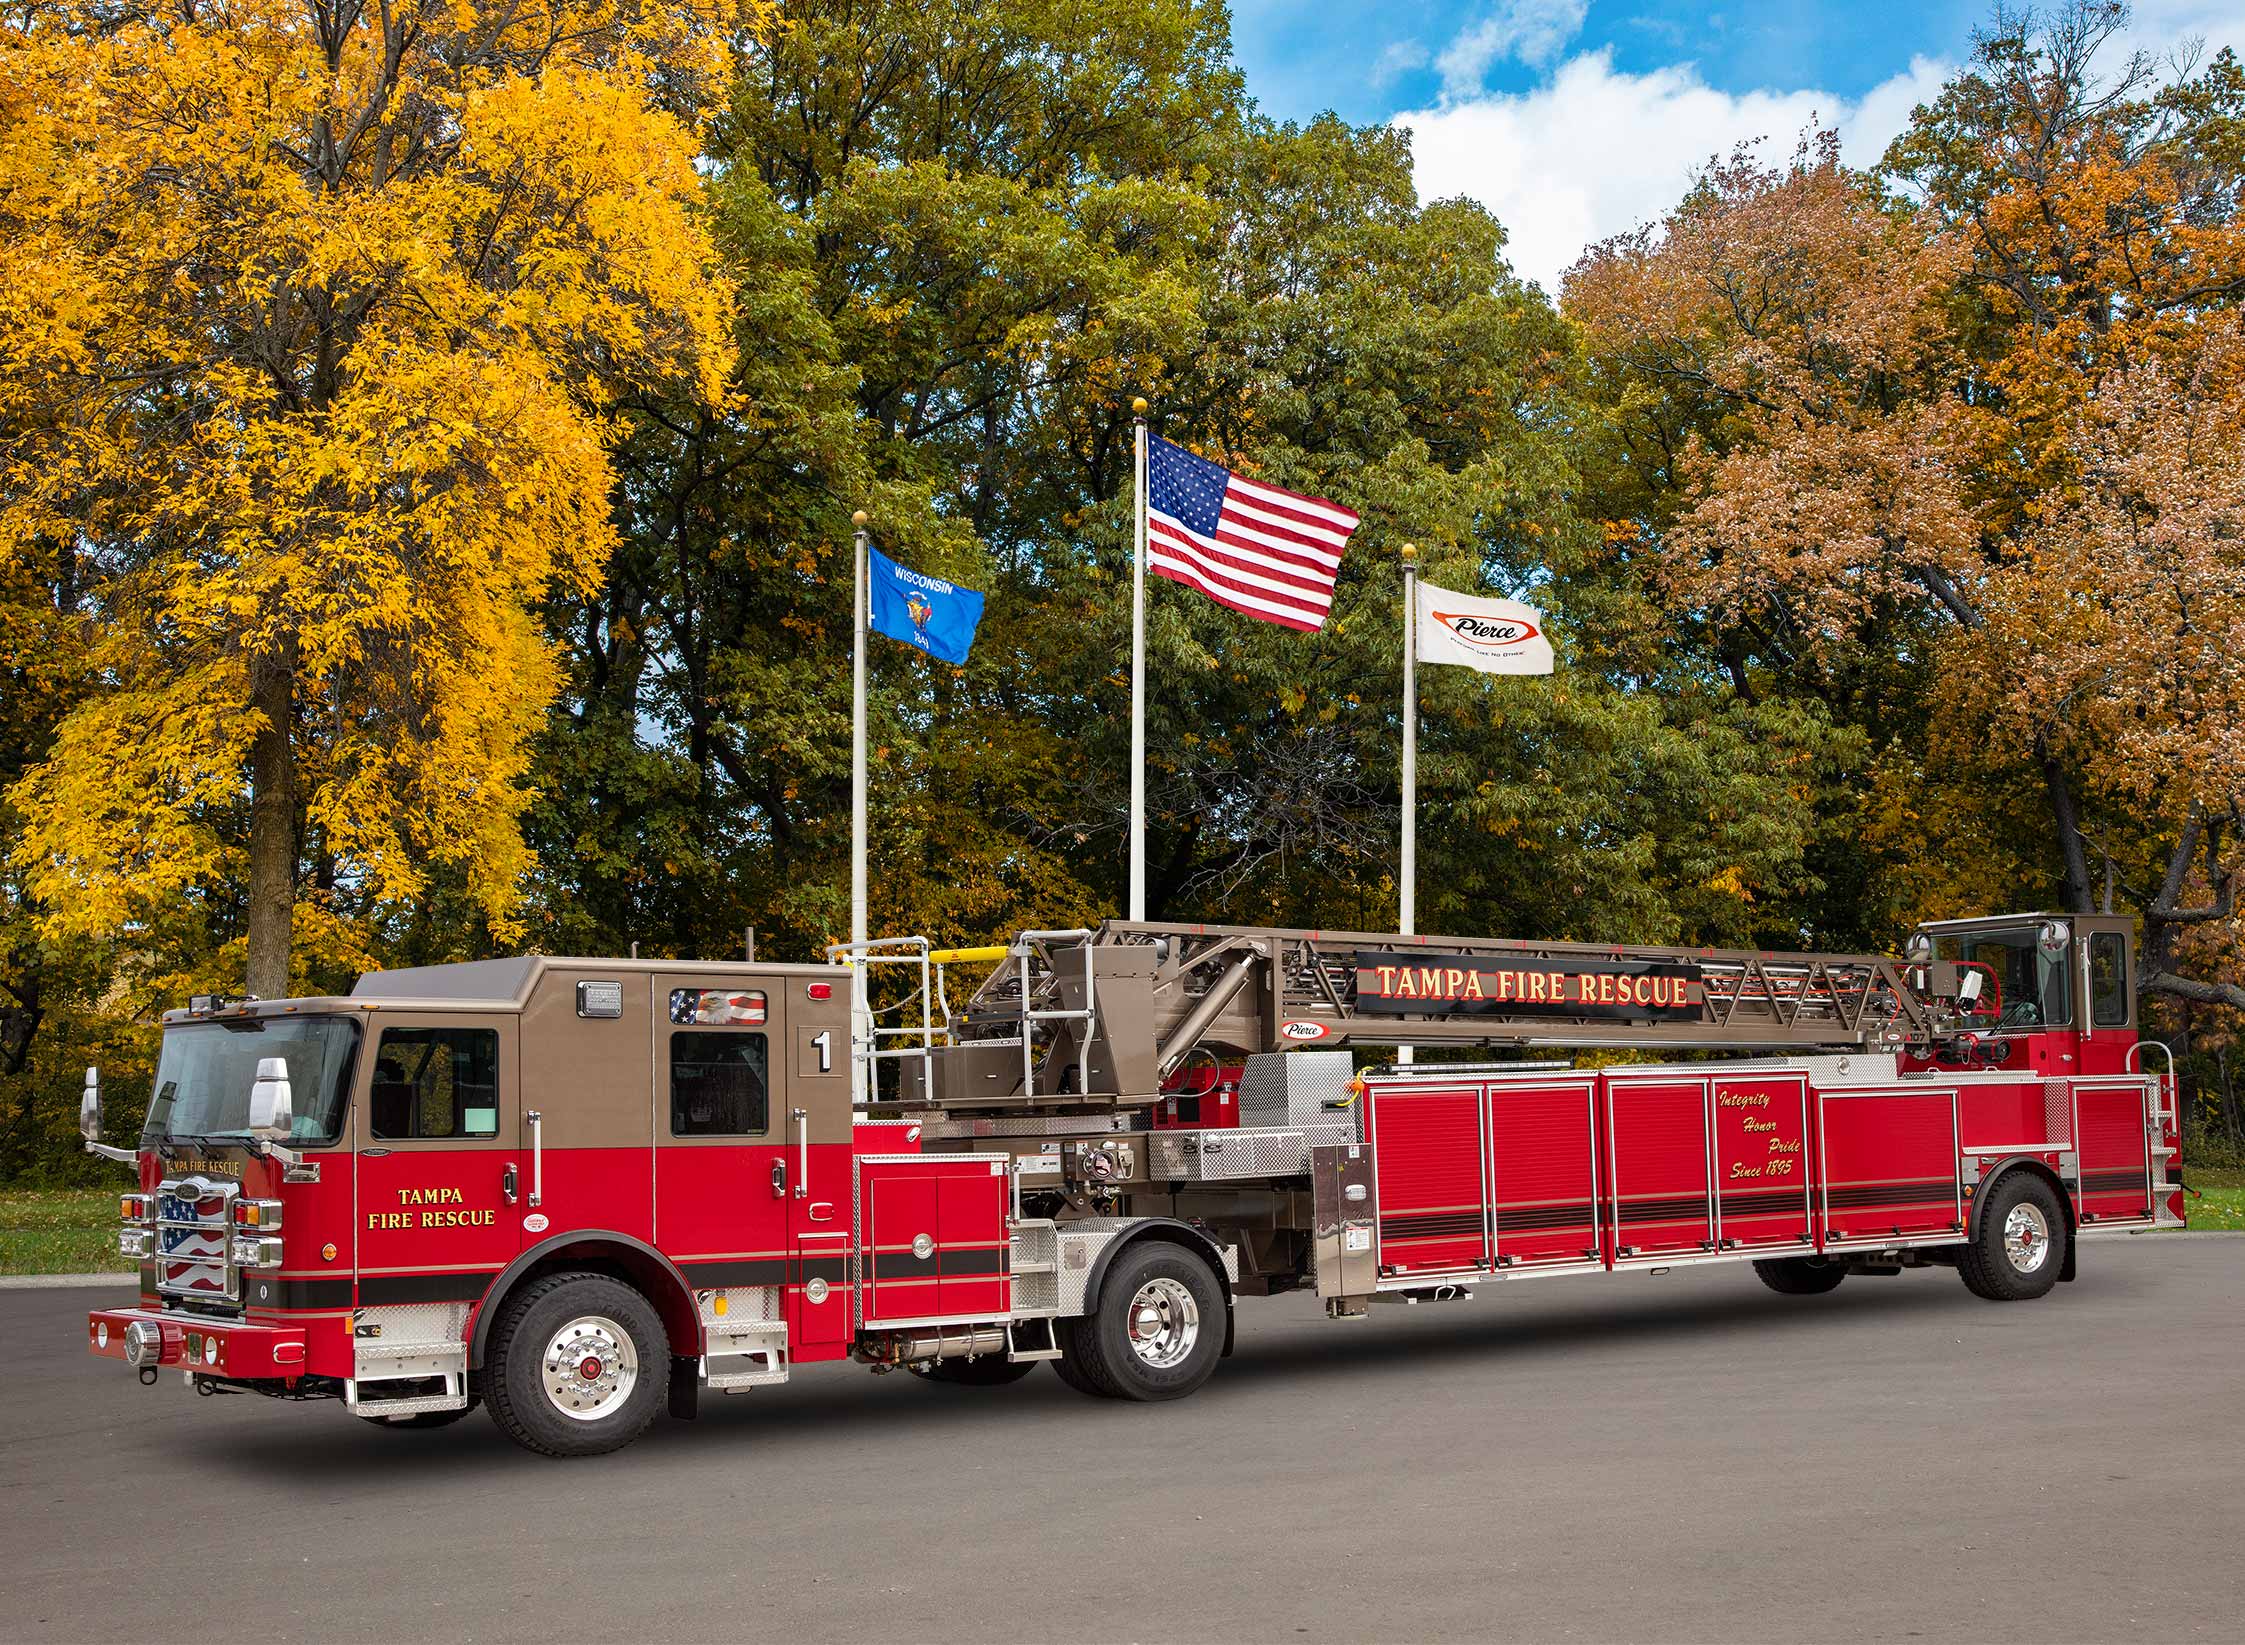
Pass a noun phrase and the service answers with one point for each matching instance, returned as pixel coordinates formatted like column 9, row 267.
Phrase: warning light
column 821, row 990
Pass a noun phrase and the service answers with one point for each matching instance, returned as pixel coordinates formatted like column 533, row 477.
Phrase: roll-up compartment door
column 1659, row 1165
column 1427, row 1158
column 1889, row 1165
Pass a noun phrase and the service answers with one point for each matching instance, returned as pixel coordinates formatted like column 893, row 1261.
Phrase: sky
column 1573, row 120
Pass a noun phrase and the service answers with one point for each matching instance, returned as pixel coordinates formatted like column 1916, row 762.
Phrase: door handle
column 822, row 1210
column 779, row 1179
column 507, row 1182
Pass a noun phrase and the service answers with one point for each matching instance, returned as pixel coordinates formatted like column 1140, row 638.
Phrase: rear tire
column 1158, row 1330
column 577, row 1365
column 1800, row 1276
column 2021, row 1245
column 983, row 1371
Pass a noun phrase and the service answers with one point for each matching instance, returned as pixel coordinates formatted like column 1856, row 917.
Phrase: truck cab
column 2057, row 995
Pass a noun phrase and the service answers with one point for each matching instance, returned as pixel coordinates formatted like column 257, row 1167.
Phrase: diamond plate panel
column 744, row 1305
column 443, row 1323
column 1217, row 1156
column 1290, row 1089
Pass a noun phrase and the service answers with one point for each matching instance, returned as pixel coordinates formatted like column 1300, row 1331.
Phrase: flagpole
column 860, row 596
column 1408, row 890
column 1138, row 669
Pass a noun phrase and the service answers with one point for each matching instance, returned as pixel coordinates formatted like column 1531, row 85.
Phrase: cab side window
column 2108, row 980
column 719, row 1084
column 435, row 1082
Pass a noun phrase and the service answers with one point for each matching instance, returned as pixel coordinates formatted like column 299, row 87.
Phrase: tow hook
column 148, row 1376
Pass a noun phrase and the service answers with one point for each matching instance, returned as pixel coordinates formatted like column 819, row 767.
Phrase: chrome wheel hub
column 590, row 1368
column 2026, row 1238
column 1164, row 1322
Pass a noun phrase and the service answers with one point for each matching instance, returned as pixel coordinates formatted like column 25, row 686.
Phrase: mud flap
column 685, row 1387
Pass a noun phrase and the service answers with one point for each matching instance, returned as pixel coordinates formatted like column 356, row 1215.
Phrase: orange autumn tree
column 312, row 319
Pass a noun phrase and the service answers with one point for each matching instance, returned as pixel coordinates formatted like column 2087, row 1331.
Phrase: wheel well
column 1174, row 1232
column 2049, row 1179
column 620, row 1257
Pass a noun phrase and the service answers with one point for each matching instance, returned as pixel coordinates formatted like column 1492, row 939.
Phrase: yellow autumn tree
column 313, row 317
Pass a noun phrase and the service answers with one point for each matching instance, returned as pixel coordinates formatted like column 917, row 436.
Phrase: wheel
column 2021, row 1244
column 1800, row 1276
column 1069, row 1367
column 1159, row 1327
column 422, row 1419
column 577, row 1365
column 984, row 1371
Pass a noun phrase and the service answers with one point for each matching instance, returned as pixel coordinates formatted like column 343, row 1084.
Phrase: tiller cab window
column 2028, row 963
column 204, row 1076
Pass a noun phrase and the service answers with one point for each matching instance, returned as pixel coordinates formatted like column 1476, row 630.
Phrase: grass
column 59, row 1231
column 2223, row 1204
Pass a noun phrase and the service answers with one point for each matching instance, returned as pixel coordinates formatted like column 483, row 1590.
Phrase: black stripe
column 902, row 1265
column 965, row 1264
column 1683, row 1208
column 1527, row 1218
column 300, row 1293
column 2111, row 1182
column 834, row 1270
column 1773, row 1202
column 1923, row 1192
column 1429, row 1224
column 736, row 1271
column 389, row 1288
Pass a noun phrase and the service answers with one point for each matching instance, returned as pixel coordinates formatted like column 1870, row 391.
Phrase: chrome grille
column 194, row 1228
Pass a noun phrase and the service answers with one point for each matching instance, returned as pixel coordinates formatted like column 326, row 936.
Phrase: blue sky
column 1576, row 119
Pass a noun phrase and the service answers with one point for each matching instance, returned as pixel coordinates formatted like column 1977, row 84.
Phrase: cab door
column 439, row 1172
column 723, row 1174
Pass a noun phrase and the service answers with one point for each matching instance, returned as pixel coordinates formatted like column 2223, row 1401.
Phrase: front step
column 747, row 1356
column 383, row 1365
column 1021, row 1351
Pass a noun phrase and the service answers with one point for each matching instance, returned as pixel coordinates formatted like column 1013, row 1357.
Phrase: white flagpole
column 1408, row 891
column 1138, row 672
column 860, row 1016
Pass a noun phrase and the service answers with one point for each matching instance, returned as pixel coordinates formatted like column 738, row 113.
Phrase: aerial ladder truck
column 577, row 1190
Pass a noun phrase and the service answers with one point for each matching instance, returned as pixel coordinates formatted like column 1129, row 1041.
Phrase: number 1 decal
column 824, row 1040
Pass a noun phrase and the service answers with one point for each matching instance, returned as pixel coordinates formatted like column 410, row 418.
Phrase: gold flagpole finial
column 1138, row 407
column 858, row 519
column 1410, row 551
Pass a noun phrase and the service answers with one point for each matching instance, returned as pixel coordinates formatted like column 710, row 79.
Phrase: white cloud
column 1533, row 31
column 1398, row 57
column 1594, row 152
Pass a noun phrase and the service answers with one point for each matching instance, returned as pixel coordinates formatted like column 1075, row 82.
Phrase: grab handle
column 537, row 1157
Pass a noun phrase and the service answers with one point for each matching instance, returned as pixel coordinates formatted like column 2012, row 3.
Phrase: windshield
column 204, row 1077
column 2030, row 970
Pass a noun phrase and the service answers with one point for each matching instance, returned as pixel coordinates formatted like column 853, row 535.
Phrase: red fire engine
column 575, row 1190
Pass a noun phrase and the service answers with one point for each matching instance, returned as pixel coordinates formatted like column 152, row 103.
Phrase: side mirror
column 271, row 1106
column 89, row 1107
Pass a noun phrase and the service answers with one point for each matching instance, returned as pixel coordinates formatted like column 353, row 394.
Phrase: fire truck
column 576, row 1191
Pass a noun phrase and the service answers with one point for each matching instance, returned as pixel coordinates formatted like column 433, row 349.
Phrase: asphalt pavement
column 1683, row 1457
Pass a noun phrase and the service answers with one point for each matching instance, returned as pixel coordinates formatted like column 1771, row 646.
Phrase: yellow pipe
column 968, row 956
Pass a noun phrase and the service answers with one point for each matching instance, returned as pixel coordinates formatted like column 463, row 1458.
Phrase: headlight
column 251, row 1251
column 135, row 1243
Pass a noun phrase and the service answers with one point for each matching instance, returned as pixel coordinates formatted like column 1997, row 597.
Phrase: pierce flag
column 1494, row 636
column 938, row 617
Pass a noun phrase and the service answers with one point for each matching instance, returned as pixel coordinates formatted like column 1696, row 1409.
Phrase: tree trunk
column 2069, row 837
column 272, row 829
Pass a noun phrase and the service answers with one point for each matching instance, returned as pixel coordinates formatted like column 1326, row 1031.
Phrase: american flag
column 1269, row 553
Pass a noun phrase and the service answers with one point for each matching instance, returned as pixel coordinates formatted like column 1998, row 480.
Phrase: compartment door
column 1543, row 1172
column 2114, row 1141
column 971, row 1242
column 1888, row 1164
column 1761, row 1163
column 1427, row 1158
column 898, row 1242
column 1660, row 1168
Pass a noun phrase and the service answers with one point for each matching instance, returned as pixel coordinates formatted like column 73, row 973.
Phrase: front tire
column 1158, row 1329
column 577, row 1365
column 2021, row 1245
column 1800, row 1276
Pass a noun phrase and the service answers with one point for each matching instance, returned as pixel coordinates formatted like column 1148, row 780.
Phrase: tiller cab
column 577, row 1190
